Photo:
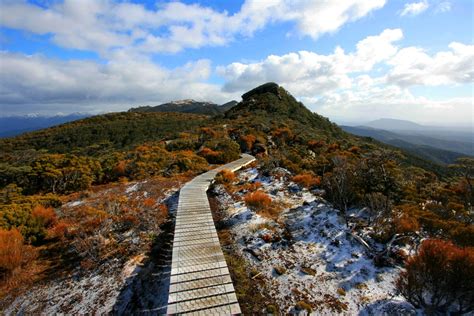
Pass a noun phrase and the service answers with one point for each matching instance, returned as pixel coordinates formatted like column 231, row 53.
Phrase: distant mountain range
column 394, row 125
column 16, row 125
column 436, row 144
column 188, row 106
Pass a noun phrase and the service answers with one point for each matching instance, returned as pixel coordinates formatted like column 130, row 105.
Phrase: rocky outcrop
column 269, row 87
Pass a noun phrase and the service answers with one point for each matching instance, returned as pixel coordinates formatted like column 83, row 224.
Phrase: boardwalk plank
column 200, row 282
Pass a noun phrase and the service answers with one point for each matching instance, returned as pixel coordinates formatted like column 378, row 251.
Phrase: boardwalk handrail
column 200, row 282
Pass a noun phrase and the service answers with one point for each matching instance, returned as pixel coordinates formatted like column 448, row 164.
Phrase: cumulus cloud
column 414, row 8
column 413, row 66
column 106, row 26
column 307, row 73
column 312, row 18
column 350, row 84
column 35, row 84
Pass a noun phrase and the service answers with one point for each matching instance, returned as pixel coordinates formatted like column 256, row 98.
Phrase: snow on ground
column 116, row 283
column 74, row 203
column 132, row 188
column 94, row 294
column 319, row 264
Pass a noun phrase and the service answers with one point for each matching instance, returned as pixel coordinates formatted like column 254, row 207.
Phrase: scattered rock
column 257, row 253
column 272, row 310
column 341, row 291
column 303, row 306
column 308, row 271
column 279, row 270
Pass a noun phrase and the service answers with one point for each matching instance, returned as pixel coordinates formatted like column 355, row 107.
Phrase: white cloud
column 37, row 84
column 414, row 8
column 346, row 84
column 306, row 73
column 104, row 26
column 363, row 104
column 413, row 66
column 312, row 18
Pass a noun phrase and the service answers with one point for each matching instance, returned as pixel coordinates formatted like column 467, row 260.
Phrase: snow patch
column 323, row 265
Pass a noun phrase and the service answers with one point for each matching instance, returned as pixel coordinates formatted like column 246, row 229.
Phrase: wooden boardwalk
column 200, row 282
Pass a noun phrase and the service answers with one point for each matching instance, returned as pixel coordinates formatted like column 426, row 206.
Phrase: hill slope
column 113, row 130
column 414, row 144
column 188, row 106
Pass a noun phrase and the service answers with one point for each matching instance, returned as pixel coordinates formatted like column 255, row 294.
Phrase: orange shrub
column 225, row 176
column 439, row 278
column 354, row 149
column 248, row 140
column 307, row 180
column 149, row 202
column 46, row 215
column 60, row 230
column 283, row 132
column 333, row 147
column 253, row 186
column 257, row 200
column 13, row 253
column 120, row 168
column 406, row 224
column 208, row 153
column 209, row 132
column 162, row 211
column 315, row 144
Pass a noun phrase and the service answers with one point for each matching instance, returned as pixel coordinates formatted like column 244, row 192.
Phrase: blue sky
column 353, row 60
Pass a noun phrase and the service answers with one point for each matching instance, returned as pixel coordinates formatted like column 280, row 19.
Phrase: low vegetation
column 439, row 278
column 258, row 201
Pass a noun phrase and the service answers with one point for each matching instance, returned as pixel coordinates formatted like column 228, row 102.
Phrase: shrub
column 19, row 216
column 225, row 176
column 306, row 180
column 220, row 151
column 210, row 155
column 120, row 169
column 316, row 144
column 188, row 161
column 253, row 186
column 258, row 200
column 45, row 215
column 60, row 230
column 248, row 141
column 149, row 202
column 406, row 224
column 283, row 133
column 439, row 278
column 13, row 253
column 162, row 211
